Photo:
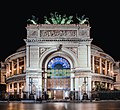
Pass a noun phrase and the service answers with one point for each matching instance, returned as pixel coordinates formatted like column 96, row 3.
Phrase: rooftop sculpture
column 59, row 19
column 33, row 20
column 82, row 20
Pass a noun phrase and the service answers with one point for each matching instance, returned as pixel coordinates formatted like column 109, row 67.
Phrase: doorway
column 58, row 94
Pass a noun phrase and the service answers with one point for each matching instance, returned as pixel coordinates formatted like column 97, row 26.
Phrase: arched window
column 58, row 67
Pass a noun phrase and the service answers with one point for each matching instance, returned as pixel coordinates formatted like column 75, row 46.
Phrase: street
column 110, row 105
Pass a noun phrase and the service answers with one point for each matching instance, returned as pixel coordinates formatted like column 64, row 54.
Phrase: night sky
column 104, row 20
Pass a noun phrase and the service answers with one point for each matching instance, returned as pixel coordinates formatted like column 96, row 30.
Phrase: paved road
column 111, row 105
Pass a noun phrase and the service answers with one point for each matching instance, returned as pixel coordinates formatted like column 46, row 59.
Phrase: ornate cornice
column 57, row 31
column 102, row 78
column 55, row 39
column 16, row 78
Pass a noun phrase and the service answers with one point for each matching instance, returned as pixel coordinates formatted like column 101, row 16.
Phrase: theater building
column 58, row 60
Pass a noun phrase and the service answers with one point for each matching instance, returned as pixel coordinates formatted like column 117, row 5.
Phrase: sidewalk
column 60, row 100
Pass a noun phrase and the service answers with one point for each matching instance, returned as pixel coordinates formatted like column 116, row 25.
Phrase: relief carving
column 73, row 49
column 83, row 33
column 32, row 33
column 57, row 33
column 42, row 50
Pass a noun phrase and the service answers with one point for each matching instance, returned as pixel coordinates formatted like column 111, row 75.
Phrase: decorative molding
column 102, row 79
column 83, row 32
column 42, row 50
column 32, row 33
column 16, row 78
column 58, row 39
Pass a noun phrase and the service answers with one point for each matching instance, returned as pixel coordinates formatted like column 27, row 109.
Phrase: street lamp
column 31, row 96
column 84, row 88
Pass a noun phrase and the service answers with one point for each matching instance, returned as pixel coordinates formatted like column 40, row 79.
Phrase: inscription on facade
column 57, row 33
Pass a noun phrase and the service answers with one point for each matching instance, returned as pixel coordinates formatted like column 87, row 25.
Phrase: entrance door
column 59, row 94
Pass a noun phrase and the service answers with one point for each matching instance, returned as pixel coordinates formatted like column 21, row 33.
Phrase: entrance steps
column 59, row 100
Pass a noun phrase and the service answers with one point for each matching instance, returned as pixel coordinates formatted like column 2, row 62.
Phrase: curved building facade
column 58, row 60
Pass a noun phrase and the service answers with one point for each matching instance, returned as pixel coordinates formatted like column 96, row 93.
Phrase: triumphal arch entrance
column 58, row 57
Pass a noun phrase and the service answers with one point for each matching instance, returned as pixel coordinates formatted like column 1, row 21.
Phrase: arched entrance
column 58, row 78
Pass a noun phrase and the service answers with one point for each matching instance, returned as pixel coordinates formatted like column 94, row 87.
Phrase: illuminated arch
column 58, row 67
column 58, row 63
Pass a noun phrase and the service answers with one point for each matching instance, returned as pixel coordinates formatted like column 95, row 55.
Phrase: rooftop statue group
column 59, row 19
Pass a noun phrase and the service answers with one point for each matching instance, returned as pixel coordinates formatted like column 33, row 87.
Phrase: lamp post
column 31, row 96
column 85, row 85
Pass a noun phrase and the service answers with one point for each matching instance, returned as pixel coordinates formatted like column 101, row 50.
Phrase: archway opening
column 58, row 78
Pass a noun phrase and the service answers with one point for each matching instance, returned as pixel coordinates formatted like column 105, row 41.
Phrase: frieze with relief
column 83, row 32
column 58, row 33
column 32, row 33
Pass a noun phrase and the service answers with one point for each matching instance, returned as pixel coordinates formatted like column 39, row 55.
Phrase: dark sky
column 104, row 17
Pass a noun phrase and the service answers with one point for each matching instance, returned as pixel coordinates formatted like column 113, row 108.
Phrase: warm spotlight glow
column 97, row 66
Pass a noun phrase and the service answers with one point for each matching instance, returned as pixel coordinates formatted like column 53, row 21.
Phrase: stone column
column 76, row 83
column 89, row 87
column 27, row 86
column 93, row 84
column 81, row 87
column 24, row 63
column 93, row 64
column 76, row 87
column 9, row 69
column 40, row 86
column 71, row 81
column 13, row 87
column 27, row 56
column 112, row 68
column 112, row 87
column 89, row 56
column 18, row 88
column 8, row 87
column 12, row 68
column 105, row 67
column 109, row 69
column 45, row 89
column 18, row 66
column 82, row 56
column 106, row 85
column 100, row 66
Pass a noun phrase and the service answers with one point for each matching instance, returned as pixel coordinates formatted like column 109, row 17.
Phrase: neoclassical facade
column 58, row 60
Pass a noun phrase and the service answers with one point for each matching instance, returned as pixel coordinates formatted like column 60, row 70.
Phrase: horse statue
column 58, row 19
column 33, row 20
column 83, row 20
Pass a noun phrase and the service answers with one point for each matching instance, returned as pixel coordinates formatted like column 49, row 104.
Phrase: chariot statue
column 33, row 20
column 56, row 18
column 82, row 20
